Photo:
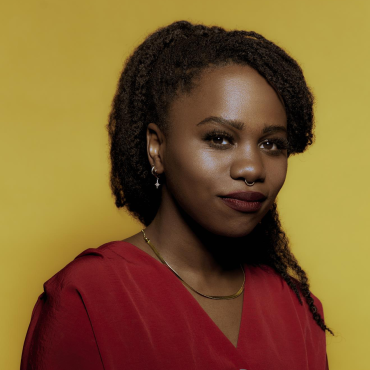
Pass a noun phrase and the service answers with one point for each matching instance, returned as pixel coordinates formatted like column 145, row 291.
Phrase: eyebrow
column 272, row 129
column 240, row 125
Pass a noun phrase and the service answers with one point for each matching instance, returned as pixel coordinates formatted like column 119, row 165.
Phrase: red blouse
column 116, row 307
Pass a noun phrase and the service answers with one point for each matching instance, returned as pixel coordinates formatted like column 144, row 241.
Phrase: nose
column 248, row 165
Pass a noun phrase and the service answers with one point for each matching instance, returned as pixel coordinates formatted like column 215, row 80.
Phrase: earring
column 154, row 173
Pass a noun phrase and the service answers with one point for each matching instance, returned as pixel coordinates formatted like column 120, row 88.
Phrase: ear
column 155, row 140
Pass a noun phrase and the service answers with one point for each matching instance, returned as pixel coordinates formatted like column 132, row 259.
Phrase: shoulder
column 266, row 278
column 91, row 267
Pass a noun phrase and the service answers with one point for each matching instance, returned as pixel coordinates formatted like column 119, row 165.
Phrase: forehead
column 235, row 92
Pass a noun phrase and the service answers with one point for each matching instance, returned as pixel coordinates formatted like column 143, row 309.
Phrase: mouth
column 244, row 201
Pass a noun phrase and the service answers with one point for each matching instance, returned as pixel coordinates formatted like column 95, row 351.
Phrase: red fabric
column 116, row 307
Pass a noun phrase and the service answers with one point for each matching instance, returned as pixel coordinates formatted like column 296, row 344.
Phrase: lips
column 248, row 196
column 245, row 201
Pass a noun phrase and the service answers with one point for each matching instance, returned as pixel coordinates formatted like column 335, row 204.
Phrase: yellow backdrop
column 59, row 64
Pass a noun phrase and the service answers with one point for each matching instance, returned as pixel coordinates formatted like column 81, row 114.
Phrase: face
column 229, row 128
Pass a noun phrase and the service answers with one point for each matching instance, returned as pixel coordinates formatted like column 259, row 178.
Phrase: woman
column 201, row 128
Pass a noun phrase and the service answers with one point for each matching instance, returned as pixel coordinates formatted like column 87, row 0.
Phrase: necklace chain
column 218, row 297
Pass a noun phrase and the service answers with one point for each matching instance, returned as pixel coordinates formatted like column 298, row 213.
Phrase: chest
column 225, row 314
column 147, row 316
column 173, row 329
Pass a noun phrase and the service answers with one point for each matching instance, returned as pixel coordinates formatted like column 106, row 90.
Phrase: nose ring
column 249, row 183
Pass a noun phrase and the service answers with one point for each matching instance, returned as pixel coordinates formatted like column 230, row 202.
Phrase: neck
column 186, row 245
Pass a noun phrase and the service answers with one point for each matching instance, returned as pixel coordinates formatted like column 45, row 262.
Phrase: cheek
column 193, row 174
column 277, row 175
column 188, row 166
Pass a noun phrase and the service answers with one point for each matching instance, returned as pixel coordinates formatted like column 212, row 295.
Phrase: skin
column 195, row 232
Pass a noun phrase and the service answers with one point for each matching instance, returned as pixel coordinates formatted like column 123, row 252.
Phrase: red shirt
column 116, row 307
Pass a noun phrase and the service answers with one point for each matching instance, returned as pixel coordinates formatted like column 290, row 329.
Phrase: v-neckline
column 195, row 302
column 216, row 327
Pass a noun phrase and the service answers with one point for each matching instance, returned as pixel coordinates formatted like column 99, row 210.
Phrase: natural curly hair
column 165, row 65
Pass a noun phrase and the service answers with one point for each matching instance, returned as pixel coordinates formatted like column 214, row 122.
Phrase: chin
column 233, row 230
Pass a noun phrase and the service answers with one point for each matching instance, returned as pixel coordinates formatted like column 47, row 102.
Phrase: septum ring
column 249, row 183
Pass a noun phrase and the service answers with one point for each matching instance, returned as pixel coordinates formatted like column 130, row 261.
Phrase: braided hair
column 165, row 65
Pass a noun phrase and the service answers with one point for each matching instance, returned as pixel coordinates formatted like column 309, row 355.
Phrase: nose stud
column 249, row 183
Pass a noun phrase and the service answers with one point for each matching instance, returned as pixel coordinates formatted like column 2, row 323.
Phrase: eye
column 218, row 139
column 275, row 146
column 269, row 145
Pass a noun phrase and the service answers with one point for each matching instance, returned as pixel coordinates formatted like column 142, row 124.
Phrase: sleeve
column 60, row 335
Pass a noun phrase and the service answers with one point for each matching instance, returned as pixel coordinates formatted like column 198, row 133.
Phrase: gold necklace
column 232, row 296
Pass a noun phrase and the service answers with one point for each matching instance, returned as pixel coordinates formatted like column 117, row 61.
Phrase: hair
column 166, row 65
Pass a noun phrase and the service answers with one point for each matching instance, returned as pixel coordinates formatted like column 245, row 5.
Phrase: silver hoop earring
column 154, row 173
column 249, row 183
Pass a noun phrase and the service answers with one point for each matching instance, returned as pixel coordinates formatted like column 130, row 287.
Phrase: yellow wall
column 59, row 64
